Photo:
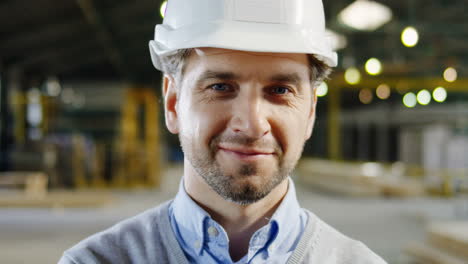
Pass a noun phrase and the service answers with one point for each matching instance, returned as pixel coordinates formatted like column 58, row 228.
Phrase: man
column 239, row 90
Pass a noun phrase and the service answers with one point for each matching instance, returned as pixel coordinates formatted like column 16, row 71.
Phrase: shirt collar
column 190, row 219
column 285, row 218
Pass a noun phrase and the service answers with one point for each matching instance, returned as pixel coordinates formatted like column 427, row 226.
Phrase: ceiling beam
column 62, row 67
column 400, row 83
column 43, row 35
column 71, row 52
column 106, row 39
column 129, row 10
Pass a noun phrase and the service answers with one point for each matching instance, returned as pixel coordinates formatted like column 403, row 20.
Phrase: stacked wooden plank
column 338, row 177
column 56, row 199
column 447, row 243
column 33, row 183
column 357, row 179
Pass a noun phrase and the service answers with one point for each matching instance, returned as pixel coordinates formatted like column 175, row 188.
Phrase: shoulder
column 328, row 245
column 133, row 240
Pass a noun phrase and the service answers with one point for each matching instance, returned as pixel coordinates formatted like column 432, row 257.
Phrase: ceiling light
column 383, row 91
column 338, row 41
column 450, row 74
column 373, row 66
column 365, row 15
column 365, row 96
column 409, row 37
column 322, row 90
column 409, row 100
column 352, row 76
column 439, row 94
column 424, row 97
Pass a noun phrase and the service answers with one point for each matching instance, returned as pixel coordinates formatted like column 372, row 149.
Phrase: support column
column 3, row 121
column 17, row 104
column 363, row 141
column 383, row 142
column 383, row 134
column 334, row 126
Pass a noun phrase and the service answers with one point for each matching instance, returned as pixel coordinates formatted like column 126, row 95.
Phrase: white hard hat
column 289, row 26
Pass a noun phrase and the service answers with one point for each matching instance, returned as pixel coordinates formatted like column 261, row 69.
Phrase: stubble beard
column 237, row 188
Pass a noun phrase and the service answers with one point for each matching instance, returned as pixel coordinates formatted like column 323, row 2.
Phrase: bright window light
column 373, row 66
column 439, row 94
column 450, row 74
column 424, row 97
column 322, row 90
column 338, row 41
column 409, row 37
column 365, row 15
column 352, row 76
column 409, row 100
column 162, row 10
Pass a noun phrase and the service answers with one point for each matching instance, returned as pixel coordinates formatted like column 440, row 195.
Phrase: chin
column 247, row 189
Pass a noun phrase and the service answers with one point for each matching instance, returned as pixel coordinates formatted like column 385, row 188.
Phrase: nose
column 250, row 117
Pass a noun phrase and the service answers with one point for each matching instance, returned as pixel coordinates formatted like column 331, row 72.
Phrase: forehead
column 255, row 62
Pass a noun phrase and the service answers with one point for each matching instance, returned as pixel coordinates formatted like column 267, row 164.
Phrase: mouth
column 247, row 154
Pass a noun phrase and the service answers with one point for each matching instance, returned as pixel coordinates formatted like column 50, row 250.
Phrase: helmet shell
column 286, row 26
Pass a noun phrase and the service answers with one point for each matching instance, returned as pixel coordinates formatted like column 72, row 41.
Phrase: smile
column 246, row 154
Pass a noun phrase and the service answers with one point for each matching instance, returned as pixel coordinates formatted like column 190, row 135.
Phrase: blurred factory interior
column 83, row 142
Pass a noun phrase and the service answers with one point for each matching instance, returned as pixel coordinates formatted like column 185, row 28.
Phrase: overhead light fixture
column 450, row 74
column 409, row 100
column 352, row 76
column 365, row 15
column 439, row 94
column 338, row 41
column 383, row 91
column 322, row 90
column 373, row 66
column 423, row 97
column 365, row 96
column 409, row 37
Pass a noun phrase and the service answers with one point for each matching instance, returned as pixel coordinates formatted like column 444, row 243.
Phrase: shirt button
column 212, row 231
column 197, row 244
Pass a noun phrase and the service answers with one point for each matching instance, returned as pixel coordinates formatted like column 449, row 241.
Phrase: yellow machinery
column 138, row 158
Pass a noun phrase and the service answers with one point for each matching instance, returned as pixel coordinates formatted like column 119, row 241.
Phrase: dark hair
column 174, row 65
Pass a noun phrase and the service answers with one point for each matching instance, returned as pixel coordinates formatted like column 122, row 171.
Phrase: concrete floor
column 385, row 225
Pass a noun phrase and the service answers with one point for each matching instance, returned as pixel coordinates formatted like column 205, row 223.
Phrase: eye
column 279, row 90
column 221, row 87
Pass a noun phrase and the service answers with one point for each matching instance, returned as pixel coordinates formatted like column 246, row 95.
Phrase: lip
column 246, row 154
column 247, row 151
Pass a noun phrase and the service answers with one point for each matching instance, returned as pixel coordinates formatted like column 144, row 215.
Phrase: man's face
column 242, row 118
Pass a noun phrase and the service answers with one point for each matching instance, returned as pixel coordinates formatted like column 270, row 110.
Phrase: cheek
column 289, row 128
column 202, row 122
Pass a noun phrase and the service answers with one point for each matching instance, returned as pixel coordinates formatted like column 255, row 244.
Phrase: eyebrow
column 209, row 74
column 293, row 78
column 215, row 75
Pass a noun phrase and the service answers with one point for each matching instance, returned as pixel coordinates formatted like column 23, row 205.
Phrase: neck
column 239, row 221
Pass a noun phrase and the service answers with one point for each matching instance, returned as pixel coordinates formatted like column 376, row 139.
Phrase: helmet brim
column 235, row 35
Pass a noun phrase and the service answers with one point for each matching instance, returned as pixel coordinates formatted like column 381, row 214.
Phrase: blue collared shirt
column 203, row 240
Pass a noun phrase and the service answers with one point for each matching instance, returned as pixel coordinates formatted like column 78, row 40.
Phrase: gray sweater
column 148, row 239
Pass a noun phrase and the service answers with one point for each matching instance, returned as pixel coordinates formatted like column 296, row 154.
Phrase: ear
column 170, row 104
column 311, row 118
